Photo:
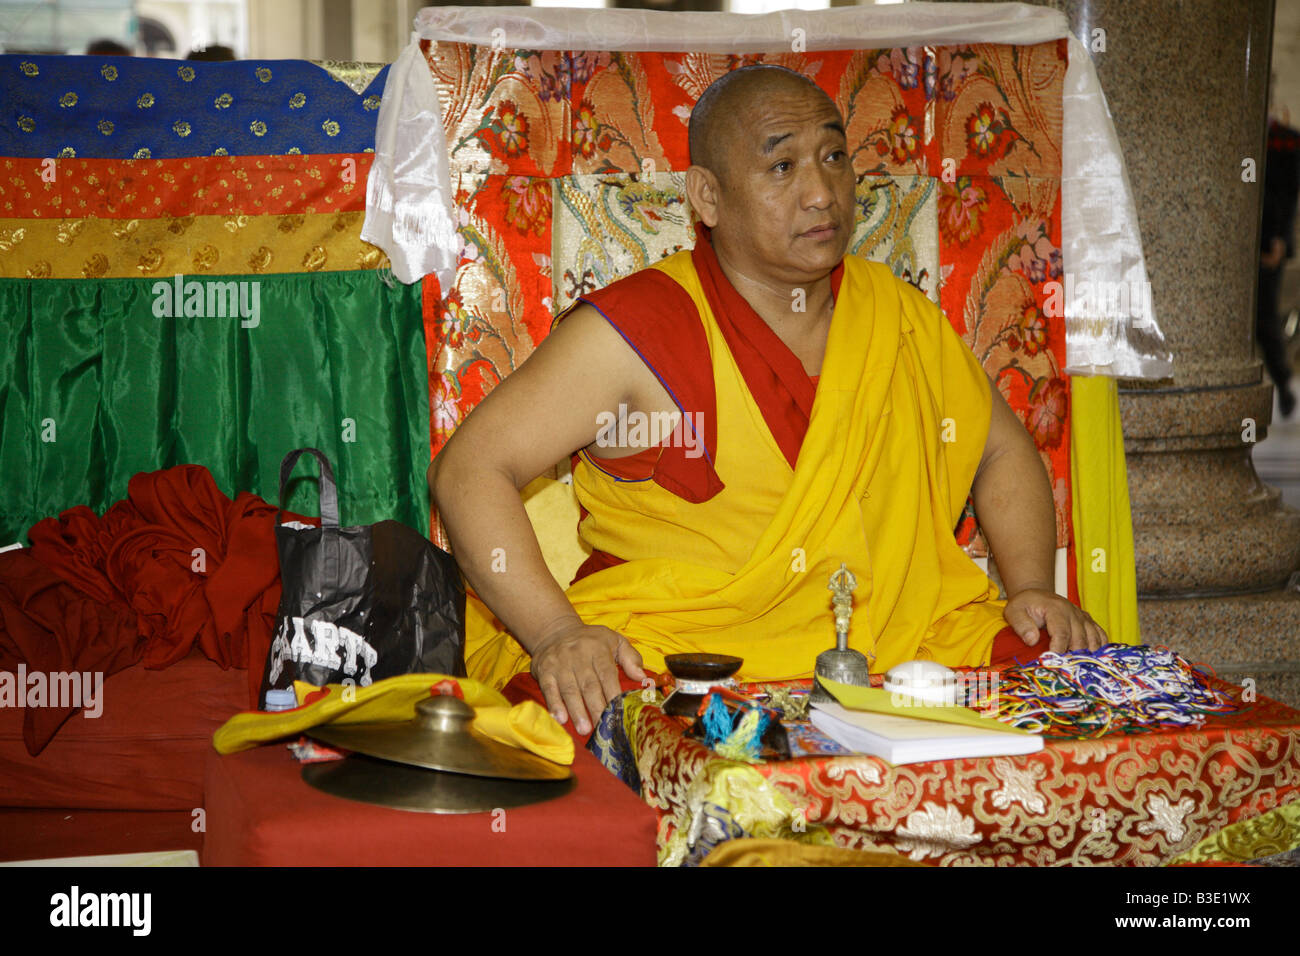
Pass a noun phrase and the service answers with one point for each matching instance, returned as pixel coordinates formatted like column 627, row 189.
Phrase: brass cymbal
column 440, row 737
column 402, row 787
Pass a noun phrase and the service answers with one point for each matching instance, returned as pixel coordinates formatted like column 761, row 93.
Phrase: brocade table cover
column 1227, row 791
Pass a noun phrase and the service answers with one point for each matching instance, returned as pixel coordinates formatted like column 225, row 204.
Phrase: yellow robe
column 896, row 433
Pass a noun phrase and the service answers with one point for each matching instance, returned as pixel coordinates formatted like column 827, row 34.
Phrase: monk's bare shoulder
column 554, row 402
column 612, row 362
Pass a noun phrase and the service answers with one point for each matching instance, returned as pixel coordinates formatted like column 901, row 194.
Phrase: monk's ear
column 703, row 193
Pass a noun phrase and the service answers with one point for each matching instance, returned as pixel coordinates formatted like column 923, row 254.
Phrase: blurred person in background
column 107, row 48
column 1277, row 244
column 216, row 52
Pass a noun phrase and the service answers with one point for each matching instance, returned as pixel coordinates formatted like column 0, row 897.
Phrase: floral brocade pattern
column 193, row 186
column 567, row 169
column 1229, row 791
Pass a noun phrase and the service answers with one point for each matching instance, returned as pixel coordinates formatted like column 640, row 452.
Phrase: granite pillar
column 1186, row 84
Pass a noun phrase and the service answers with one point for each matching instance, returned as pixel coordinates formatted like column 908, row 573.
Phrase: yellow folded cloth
column 765, row 852
column 526, row 725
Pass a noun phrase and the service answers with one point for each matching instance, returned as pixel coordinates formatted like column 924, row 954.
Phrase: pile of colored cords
column 1116, row 688
column 737, row 737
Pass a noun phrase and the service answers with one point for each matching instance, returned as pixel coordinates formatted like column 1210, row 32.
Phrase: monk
column 821, row 411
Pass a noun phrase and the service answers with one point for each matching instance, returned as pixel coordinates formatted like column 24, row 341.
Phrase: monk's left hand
column 1070, row 628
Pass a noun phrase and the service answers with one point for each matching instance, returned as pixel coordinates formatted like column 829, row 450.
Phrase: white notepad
column 909, row 740
column 153, row 858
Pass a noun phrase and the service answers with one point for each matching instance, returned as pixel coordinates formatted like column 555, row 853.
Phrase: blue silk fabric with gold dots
column 139, row 108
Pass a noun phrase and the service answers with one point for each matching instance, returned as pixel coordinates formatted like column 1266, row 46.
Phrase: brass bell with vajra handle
column 841, row 663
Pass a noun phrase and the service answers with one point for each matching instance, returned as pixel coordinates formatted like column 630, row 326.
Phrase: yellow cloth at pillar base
column 896, row 433
column 526, row 725
column 1103, row 523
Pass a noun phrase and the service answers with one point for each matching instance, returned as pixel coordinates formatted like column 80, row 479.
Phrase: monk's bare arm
column 1014, row 502
column 539, row 414
column 545, row 410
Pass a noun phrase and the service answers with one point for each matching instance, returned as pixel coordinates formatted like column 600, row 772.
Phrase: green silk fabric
column 336, row 362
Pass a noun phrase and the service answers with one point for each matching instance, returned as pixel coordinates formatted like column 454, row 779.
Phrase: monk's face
column 785, row 198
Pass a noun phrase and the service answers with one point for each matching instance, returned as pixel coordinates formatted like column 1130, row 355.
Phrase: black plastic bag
column 361, row 604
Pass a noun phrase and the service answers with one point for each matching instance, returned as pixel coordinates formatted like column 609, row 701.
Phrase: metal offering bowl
column 696, row 671
column 702, row 666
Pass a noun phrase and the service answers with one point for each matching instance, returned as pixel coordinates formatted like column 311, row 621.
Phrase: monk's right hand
column 577, row 665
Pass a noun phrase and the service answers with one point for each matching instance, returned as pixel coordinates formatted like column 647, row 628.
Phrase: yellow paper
column 879, row 701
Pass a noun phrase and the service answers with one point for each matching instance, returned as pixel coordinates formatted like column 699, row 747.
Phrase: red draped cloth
column 176, row 565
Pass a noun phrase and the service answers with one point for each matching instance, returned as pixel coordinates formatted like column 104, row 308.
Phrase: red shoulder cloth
column 660, row 321
column 657, row 318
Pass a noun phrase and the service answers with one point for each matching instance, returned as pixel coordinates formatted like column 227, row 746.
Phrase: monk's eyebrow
column 776, row 139
column 772, row 142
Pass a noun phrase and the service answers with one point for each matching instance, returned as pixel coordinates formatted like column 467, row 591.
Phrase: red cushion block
column 50, row 834
column 144, row 752
column 261, row 813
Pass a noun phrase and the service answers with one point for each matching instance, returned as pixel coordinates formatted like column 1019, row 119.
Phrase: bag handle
column 329, row 492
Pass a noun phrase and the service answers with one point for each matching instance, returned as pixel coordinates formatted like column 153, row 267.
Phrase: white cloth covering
column 1110, row 327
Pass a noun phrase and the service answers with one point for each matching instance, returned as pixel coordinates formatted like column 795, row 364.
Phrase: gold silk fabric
column 607, row 227
column 191, row 245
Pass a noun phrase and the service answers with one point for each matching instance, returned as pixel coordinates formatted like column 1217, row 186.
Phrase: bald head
column 720, row 112
column 771, row 176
